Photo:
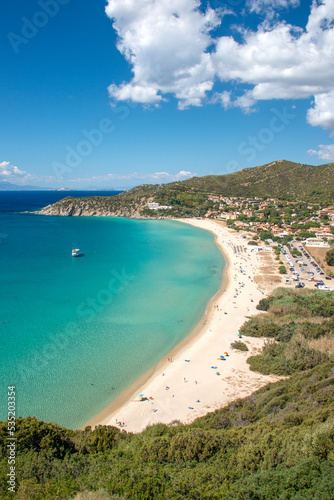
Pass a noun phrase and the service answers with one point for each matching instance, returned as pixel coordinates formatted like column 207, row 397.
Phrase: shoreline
column 196, row 347
column 128, row 394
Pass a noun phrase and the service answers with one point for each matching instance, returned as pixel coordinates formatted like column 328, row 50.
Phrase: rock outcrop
column 97, row 206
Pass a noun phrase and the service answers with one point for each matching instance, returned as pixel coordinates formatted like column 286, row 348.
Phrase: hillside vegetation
column 300, row 327
column 277, row 443
column 282, row 179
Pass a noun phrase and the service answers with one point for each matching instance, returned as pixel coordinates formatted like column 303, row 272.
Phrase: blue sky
column 118, row 93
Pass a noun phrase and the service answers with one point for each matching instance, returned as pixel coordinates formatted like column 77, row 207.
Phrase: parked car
column 328, row 278
column 300, row 285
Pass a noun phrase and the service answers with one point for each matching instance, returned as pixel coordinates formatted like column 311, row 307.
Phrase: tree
column 330, row 257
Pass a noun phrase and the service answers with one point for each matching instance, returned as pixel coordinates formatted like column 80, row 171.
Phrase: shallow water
column 70, row 328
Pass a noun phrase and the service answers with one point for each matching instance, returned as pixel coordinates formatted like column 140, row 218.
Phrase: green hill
column 281, row 179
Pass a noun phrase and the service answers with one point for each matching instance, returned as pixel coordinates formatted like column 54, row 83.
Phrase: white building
column 315, row 242
column 157, row 206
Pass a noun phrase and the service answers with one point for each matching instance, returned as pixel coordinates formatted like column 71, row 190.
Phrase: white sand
column 184, row 390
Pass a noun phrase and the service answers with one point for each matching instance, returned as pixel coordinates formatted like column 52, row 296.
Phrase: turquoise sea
column 70, row 328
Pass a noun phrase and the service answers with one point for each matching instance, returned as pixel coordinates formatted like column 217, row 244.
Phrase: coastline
column 188, row 387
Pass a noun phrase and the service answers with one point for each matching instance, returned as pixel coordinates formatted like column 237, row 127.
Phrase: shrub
column 286, row 359
column 254, row 243
column 241, row 346
column 282, row 270
column 330, row 257
column 259, row 326
column 264, row 304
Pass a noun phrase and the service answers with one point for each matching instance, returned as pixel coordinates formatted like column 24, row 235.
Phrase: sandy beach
column 192, row 380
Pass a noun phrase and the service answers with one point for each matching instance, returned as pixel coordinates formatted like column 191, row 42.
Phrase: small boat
column 76, row 252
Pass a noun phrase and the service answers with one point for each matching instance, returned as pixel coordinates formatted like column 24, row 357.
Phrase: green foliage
column 302, row 303
column 307, row 234
column 264, row 304
column 277, row 443
column 277, row 251
column 286, row 358
column 282, row 270
column 240, row 346
column 253, row 242
column 287, row 324
column 260, row 326
column 265, row 235
column 330, row 257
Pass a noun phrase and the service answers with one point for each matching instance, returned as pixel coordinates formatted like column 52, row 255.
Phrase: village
column 276, row 220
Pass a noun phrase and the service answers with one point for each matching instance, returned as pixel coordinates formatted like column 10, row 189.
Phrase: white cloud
column 155, row 177
column 269, row 6
column 13, row 174
column 165, row 42
column 171, row 49
column 183, row 174
column 281, row 63
column 322, row 112
column 7, row 170
column 325, row 152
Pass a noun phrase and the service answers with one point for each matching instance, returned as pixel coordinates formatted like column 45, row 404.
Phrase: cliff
column 98, row 206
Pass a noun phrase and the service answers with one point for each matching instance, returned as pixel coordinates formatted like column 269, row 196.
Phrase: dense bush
column 330, row 257
column 240, row 346
column 286, row 358
column 277, row 443
column 260, row 326
column 290, row 350
column 264, row 304
column 302, row 303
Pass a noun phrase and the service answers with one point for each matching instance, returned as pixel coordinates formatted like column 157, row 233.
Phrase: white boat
column 76, row 252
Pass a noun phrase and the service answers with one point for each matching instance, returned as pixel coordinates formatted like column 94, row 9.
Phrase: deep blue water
column 19, row 201
column 102, row 319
